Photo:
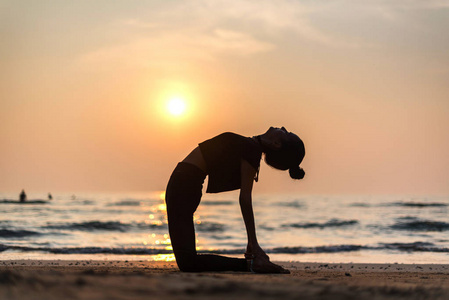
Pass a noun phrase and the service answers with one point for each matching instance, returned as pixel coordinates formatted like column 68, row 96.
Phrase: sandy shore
column 61, row 279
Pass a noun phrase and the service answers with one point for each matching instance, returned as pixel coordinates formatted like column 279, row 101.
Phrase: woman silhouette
column 232, row 162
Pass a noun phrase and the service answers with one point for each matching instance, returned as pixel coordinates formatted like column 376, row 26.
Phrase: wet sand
column 61, row 279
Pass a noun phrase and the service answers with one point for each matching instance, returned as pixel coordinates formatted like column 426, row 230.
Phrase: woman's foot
column 258, row 265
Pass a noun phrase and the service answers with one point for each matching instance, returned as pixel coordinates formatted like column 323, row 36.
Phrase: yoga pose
column 232, row 162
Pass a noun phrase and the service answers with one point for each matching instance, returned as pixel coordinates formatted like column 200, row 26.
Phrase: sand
column 62, row 279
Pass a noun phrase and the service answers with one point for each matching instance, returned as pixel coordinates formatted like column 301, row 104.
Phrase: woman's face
column 286, row 146
column 277, row 133
column 276, row 136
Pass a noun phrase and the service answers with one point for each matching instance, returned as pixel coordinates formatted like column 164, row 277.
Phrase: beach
column 117, row 247
column 108, row 279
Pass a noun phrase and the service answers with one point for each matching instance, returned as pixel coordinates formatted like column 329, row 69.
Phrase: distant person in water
column 23, row 196
column 232, row 162
column 50, row 197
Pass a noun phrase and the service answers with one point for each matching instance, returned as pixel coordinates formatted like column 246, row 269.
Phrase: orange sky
column 83, row 88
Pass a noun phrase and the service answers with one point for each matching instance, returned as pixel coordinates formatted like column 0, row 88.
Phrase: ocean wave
column 359, row 204
column 404, row 247
column 217, row 202
column 267, row 227
column 319, row 249
column 87, row 250
column 330, row 223
column 414, row 224
column 416, row 246
column 154, row 251
column 91, row 226
column 33, row 201
column 103, row 226
column 221, row 237
column 7, row 233
column 418, row 204
column 126, row 203
column 210, row 227
column 295, row 204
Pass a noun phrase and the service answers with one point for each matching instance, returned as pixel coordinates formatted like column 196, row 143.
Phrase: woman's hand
column 260, row 262
column 262, row 265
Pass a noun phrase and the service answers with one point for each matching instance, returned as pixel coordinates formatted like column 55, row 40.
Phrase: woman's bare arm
column 261, row 262
column 245, row 199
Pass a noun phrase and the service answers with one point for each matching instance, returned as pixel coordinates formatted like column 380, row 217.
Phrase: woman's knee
column 186, row 262
column 187, row 266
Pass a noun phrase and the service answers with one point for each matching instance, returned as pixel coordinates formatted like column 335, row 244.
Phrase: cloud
column 275, row 17
column 181, row 32
column 390, row 4
column 136, row 23
column 416, row 4
column 201, row 30
column 174, row 47
column 233, row 42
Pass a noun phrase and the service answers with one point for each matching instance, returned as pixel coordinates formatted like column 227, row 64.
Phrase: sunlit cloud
column 228, row 41
column 413, row 4
column 136, row 23
column 211, row 30
column 275, row 16
column 300, row 18
column 181, row 46
column 242, row 28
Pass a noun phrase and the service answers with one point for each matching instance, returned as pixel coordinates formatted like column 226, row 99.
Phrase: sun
column 176, row 106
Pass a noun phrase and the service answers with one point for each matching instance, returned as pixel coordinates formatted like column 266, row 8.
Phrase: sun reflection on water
column 164, row 257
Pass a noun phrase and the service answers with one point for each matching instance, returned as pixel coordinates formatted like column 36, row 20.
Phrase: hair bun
column 296, row 172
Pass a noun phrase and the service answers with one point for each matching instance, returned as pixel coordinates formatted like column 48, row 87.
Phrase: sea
column 293, row 227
